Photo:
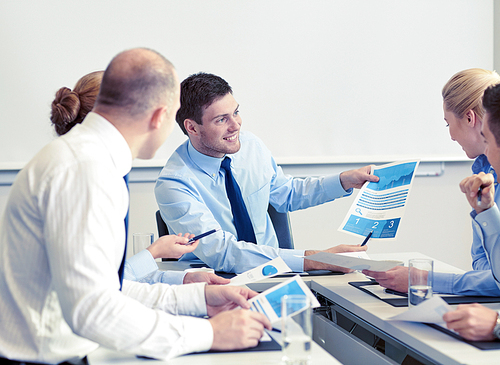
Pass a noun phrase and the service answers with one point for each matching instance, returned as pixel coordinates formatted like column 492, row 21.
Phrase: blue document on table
column 269, row 301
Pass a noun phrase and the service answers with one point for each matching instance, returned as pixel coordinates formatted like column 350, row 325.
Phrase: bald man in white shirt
column 62, row 240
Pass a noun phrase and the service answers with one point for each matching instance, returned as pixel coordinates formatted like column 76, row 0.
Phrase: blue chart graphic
column 394, row 176
column 381, row 228
column 274, row 298
column 383, row 201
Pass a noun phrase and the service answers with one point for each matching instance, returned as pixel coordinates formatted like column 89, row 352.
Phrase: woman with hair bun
column 69, row 108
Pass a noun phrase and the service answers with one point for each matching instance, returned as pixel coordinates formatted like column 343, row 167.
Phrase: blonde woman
column 463, row 113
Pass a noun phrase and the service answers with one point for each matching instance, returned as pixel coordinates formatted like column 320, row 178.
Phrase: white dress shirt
column 143, row 268
column 61, row 242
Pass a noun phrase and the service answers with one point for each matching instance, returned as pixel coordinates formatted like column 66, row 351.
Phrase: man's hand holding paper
column 349, row 263
column 395, row 278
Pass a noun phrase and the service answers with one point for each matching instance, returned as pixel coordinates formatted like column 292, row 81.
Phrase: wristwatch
column 496, row 329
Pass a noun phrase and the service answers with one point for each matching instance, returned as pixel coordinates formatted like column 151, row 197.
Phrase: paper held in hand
column 380, row 206
column 349, row 261
column 269, row 269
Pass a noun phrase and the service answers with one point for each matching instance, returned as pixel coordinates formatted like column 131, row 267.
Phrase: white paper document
column 380, row 206
column 269, row 301
column 429, row 311
column 352, row 262
column 269, row 269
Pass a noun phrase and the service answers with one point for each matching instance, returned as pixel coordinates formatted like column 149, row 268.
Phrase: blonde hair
column 464, row 91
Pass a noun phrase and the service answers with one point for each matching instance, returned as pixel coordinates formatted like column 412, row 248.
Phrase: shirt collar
column 111, row 137
column 481, row 164
column 211, row 165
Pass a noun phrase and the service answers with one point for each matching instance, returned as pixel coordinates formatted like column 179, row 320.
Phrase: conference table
column 352, row 327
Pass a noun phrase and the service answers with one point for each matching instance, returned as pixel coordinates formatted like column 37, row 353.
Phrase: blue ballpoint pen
column 202, row 235
column 479, row 194
column 367, row 238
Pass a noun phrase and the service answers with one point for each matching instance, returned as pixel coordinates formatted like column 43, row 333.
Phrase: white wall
column 319, row 71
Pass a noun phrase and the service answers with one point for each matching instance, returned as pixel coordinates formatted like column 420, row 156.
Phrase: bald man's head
column 136, row 82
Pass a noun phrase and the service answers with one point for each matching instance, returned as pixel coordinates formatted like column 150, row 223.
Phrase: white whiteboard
column 318, row 81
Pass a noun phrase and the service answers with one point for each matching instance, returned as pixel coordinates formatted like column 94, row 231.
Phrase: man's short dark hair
column 198, row 92
column 491, row 104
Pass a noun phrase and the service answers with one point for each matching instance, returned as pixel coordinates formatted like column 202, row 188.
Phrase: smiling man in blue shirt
column 191, row 192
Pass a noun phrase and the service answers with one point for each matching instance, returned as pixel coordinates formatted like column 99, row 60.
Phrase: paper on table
column 354, row 263
column 269, row 269
column 269, row 301
column 379, row 207
column 429, row 311
column 358, row 254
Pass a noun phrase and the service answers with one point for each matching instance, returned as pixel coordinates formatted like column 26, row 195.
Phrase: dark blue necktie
column 122, row 265
column 241, row 219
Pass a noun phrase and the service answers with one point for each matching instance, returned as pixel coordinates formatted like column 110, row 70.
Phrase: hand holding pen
column 479, row 190
column 172, row 246
column 200, row 236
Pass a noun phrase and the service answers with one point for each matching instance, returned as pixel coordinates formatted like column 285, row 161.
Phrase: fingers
column 229, row 296
column 262, row 319
column 452, row 316
column 193, row 245
column 470, row 185
column 238, row 329
column 217, row 280
column 238, row 296
column 372, row 178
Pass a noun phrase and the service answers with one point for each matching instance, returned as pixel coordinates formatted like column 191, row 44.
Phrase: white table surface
column 415, row 335
column 103, row 356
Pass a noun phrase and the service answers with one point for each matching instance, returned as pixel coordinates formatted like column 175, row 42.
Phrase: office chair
column 281, row 223
column 162, row 227
column 282, row 227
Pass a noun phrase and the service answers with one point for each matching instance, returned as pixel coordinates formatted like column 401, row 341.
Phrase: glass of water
column 420, row 279
column 296, row 329
column 141, row 241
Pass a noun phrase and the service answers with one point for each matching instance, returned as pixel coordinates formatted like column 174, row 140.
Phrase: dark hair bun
column 65, row 109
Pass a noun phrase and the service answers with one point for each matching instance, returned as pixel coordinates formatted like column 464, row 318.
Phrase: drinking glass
column 141, row 241
column 420, row 279
column 296, row 329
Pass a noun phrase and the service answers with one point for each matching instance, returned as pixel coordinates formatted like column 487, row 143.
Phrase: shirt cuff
column 191, row 299
column 173, row 277
column 443, row 283
column 334, row 188
column 293, row 262
column 199, row 334
column 488, row 220
column 142, row 264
